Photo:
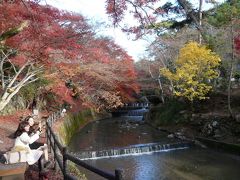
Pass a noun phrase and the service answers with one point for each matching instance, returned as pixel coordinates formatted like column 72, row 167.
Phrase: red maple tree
column 62, row 47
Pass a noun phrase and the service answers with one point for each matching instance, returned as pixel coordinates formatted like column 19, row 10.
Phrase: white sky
column 95, row 10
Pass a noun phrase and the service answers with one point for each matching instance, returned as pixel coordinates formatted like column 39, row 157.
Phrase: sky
column 95, row 10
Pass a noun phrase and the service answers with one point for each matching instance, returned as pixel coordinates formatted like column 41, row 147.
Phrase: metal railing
column 62, row 156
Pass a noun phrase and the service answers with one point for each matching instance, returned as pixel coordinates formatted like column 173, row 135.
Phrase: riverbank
column 215, row 127
column 208, row 119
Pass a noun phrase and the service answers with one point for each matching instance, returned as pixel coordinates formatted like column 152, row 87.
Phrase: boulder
column 237, row 118
column 170, row 136
column 214, row 123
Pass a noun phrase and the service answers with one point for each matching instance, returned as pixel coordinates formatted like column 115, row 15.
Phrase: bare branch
column 17, row 74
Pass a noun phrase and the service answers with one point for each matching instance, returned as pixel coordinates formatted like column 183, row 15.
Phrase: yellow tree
column 195, row 67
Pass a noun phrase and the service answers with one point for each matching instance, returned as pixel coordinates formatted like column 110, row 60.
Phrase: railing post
column 64, row 162
column 63, row 166
column 119, row 174
column 50, row 139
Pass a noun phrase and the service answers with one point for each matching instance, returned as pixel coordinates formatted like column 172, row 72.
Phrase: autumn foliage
column 237, row 44
column 195, row 68
column 101, row 73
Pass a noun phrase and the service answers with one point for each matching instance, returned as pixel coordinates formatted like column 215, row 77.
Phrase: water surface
column 187, row 164
column 114, row 133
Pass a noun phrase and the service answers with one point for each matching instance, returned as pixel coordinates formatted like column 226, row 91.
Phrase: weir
column 133, row 110
column 132, row 150
column 126, row 141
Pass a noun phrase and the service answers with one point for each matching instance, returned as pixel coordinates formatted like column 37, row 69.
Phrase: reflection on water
column 115, row 132
column 188, row 164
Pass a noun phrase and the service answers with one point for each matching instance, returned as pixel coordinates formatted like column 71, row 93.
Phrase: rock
column 207, row 129
column 238, row 118
column 214, row 123
column 217, row 131
column 198, row 143
column 179, row 134
column 1, row 141
column 183, row 112
column 170, row 136
column 194, row 115
column 182, row 137
column 182, row 130
column 217, row 136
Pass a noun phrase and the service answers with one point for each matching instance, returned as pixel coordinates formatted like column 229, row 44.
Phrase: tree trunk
column 12, row 32
column 159, row 82
column 6, row 97
column 14, row 86
column 190, row 13
column 200, row 20
column 229, row 91
column 161, row 89
column 171, row 88
column 231, row 71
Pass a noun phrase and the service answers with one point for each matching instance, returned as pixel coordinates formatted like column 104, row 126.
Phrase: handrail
column 100, row 172
column 62, row 158
column 54, row 137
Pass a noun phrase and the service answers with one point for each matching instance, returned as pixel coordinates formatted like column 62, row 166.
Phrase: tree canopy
column 40, row 41
column 195, row 67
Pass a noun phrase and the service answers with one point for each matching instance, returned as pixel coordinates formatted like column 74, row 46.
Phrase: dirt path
column 8, row 125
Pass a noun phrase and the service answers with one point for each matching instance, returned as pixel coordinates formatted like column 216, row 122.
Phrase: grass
column 73, row 169
column 72, row 124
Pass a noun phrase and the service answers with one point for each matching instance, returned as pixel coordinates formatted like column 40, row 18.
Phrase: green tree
column 227, row 16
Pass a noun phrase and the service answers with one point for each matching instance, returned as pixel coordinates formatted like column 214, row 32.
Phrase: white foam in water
column 133, row 154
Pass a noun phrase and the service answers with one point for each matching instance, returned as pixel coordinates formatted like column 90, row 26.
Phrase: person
column 34, row 127
column 22, row 142
column 34, row 108
column 63, row 112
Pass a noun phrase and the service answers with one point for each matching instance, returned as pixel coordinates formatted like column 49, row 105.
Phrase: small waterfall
column 132, row 150
column 136, row 110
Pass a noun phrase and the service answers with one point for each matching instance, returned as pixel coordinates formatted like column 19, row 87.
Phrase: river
column 189, row 163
